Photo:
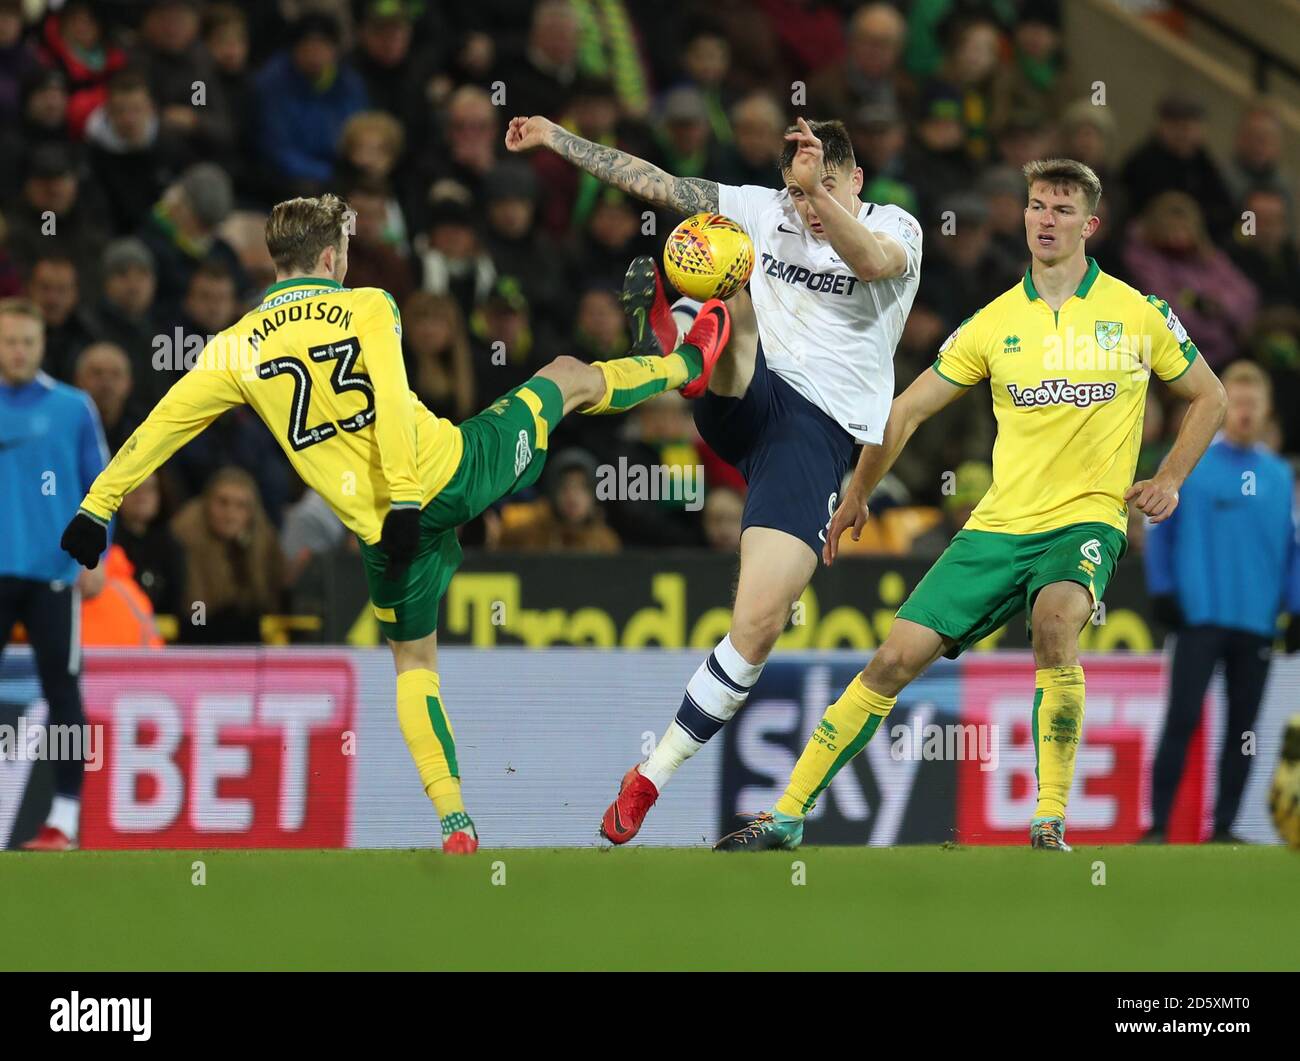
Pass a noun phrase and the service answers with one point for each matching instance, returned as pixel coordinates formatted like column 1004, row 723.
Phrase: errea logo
column 1011, row 344
column 1061, row 392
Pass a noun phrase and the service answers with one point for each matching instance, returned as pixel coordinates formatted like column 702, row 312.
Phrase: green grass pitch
column 642, row 908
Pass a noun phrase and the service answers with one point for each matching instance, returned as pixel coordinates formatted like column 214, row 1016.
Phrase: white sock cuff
column 738, row 668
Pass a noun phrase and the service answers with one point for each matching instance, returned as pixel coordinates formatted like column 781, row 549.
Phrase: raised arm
column 928, row 393
column 688, row 195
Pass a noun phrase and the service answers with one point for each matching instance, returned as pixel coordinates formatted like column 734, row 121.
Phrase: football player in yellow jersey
column 1067, row 352
column 322, row 366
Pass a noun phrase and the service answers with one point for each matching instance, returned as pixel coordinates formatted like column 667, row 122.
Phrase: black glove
column 400, row 539
column 1291, row 640
column 1167, row 612
column 85, row 540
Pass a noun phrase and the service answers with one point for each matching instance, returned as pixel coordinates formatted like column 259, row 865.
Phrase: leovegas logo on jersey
column 1061, row 392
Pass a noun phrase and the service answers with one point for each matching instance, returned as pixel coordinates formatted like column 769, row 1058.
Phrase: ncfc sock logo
column 1061, row 392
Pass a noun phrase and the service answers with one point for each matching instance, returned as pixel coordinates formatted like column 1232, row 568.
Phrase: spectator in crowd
column 542, row 81
column 937, row 158
column 172, row 59
column 50, row 435
column 1170, row 252
column 969, row 68
column 133, row 156
column 962, row 269
column 503, row 342
column 57, row 210
column 103, row 371
column 1024, row 136
column 157, row 559
column 614, row 236
column 968, row 484
column 311, row 529
column 1256, row 163
column 1003, row 191
column 723, row 509
column 1274, row 344
column 452, row 259
column 471, row 140
column 53, row 286
column 18, row 59
column 225, row 36
column 518, row 249
column 73, row 41
column 44, row 104
column 609, row 47
column 370, row 148
column 373, row 261
column 1264, row 249
column 1035, row 78
column 880, row 146
column 395, row 72
column 182, row 232
column 305, row 95
column 685, row 138
column 758, row 134
column 436, row 346
column 870, row 74
column 706, row 60
column 567, row 519
column 234, row 569
column 1175, row 158
column 124, row 314
column 1219, row 571
column 120, row 615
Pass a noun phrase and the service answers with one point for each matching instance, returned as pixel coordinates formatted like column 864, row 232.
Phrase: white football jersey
column 825, row 332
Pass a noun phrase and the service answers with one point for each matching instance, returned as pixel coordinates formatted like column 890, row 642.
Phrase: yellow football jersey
column 322, row 366
column 1069, row 392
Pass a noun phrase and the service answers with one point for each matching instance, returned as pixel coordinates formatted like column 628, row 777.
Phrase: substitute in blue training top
column 1220, row 571
column 51, row 449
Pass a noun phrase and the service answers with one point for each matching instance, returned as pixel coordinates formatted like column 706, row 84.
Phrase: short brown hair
column 837, row 148
column 299, row 230
column 21, row 307
column 1068, row 174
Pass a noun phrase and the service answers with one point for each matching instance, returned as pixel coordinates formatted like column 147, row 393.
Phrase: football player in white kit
column 808, row 373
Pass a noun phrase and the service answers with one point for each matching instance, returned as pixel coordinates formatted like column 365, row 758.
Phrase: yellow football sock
column 843, row 732
column 631, row 380
column 1057, row 729
column 429, row 737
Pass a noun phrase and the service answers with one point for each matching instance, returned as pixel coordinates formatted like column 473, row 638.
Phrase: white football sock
column 65, row 815
column 716, row 691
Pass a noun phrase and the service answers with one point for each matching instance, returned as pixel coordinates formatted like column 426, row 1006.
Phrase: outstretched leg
column 842, row 733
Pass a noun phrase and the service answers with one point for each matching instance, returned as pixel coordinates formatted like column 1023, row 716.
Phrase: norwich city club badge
column 1108, row 333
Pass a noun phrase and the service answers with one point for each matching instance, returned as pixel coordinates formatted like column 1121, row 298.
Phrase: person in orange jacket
column 120, row 614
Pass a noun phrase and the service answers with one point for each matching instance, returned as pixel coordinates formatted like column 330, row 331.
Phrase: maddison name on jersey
column 802, row 276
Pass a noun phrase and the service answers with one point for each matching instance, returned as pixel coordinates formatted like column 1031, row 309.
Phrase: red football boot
column 649, row 317
column 50, row 839
column 459, row 844
column 636, row 795
column 709, row 333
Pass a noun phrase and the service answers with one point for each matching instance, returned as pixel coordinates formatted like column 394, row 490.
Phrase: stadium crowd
column 142, row 144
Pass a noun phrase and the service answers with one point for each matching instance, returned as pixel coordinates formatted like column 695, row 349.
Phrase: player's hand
column 852, row 513
column 400, row 539
column 525, row 134
column 1154, row 499
column 807, row 164
column 85, row 540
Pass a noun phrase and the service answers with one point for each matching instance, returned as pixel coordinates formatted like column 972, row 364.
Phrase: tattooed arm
column 689, row 195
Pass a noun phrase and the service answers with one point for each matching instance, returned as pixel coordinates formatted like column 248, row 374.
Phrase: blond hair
column 299, row 230
column 1248, row 373
column 1067, row 174
column 21, row 307
column 381, row 122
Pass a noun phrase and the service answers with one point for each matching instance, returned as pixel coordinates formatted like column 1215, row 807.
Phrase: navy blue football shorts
column 792, row 455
